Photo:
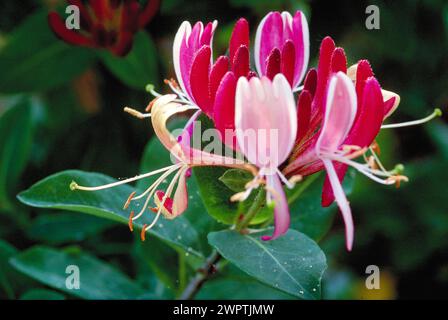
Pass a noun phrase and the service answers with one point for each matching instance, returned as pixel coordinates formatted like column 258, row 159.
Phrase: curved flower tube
column 185, row 157
column 105, row 24
column 282, row 46
column 340, row 113
column 266, row 129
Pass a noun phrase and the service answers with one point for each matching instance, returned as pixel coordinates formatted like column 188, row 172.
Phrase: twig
column 205, row 272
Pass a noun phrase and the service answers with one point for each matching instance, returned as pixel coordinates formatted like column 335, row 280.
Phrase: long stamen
column 151, row 89
column 360, row 167
column 437, row 113
column 165, row 197
column 162, row 177
column 250, row 186
column 284, row 180
column 75, row 186
column 151, row 191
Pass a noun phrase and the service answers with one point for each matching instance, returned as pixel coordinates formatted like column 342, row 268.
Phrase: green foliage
column 54, row 192
column 293, row 263
column 139, row 67
column 236, row 179
column 15, row 145
column 98, row 280
column 33, row 59
column 52, row 128
column 42, row 294
column 59, row 227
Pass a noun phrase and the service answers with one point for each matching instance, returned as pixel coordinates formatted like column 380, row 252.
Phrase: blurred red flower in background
column 107, row 24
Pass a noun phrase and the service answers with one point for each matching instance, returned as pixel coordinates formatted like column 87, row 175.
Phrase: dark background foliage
column 76, row 121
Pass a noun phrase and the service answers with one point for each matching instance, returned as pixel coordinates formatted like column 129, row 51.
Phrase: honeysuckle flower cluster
column 107, row 24
column 337, row 116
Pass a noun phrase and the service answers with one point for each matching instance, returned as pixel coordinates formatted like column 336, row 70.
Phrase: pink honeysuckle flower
column 185, row 157
column 311, row 107
column 266, row 129
column 210, row 86
column 282, row 46
column 198, row 77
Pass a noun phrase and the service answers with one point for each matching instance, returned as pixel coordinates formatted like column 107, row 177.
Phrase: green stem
column 256, row 206
column 182, row 272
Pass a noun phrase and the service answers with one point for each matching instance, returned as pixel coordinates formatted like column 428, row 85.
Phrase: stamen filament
column 437, row 113
column 361, row 168
column 152, row 189
column 75, row 186
column 284, row 180
column 165, row 197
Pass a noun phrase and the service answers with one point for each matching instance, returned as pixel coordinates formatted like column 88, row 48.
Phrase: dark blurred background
column 79, row 123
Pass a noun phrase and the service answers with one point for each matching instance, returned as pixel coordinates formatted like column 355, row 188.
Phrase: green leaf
column 139, row 67
column 240, row 285
column 6, row 272
column 98, row 280
column 161, row 259
column 307, row 214
column 16, row 135
column 35, row 60
column 292, row 263
column 216, row 197
column 58, row 228
column 42, row 294
column 236, row 179
column 54, row 192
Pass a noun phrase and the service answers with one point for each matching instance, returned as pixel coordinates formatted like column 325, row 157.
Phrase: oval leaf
column 54, row 192
column 293, row 263
column 98, row 280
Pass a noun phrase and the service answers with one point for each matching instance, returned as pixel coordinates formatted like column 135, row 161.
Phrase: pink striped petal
column 340, row 112
column 302, row 46
column 265, row 120
column 342, row 202
column 327, row 190
column 273, row 32
column 281, row 209
column 187, row 42
column 269, row 36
